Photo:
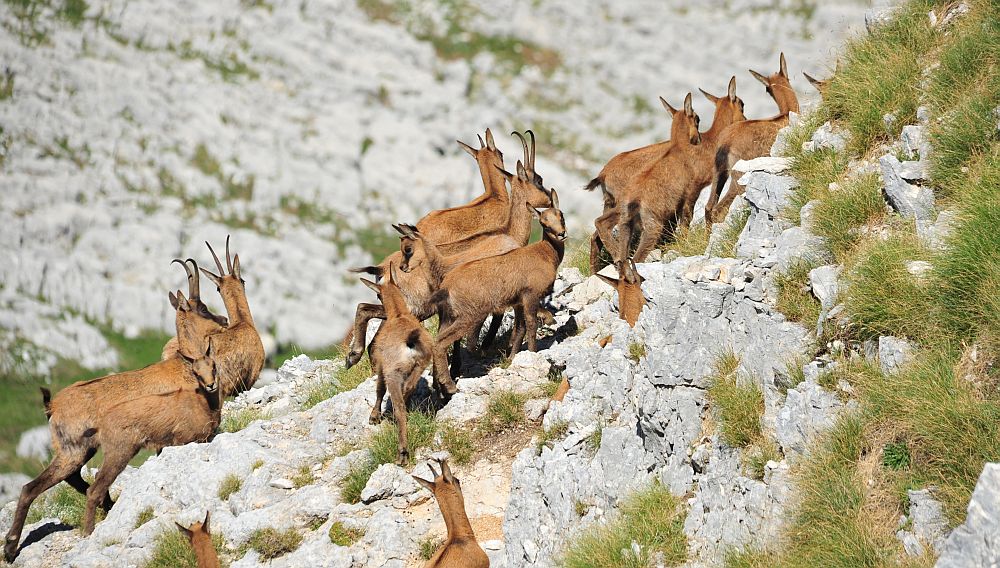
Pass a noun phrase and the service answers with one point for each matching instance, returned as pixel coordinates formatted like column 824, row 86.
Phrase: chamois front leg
column 114, row 463
column 596, row 248
column 652, row 228
column 517, row 335
column 491, row 333
column 735, row 189
column 364, row 314
column 530, row 308
column 449, row 334
column 376, row 415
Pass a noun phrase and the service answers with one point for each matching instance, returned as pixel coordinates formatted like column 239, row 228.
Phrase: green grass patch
column 578, row 255
column 504, row 410
column 652, row 518
column 270, row 543
column 144, row 517
column 738, row 401
column 342, row 535
column 459, row 441
column 236, row 421
column 840, row 217
column 304, row 476
column 688, row 241
column 230, row 484
column 384, row 447
column 64, row 503
column 733, row 227
column 428, row 546
column 173, row 550
column 556, row 431
column 795, row 297
column 636, row 351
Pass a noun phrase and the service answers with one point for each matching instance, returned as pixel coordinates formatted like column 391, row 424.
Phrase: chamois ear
column 555, row 199
column 204, row 524
column 732, row 89
column 667, row 106
column 608, row 280
column 446, row 471
column 393, row 275
column 814, row 81
column 708, row 95
column 371, row 285
column 783, row 65
column 688, row 107
column 173, row 300
column 534, row 212
column 521, row 172
column 467, row 148
column 489, row 140
column 760, row 78
column 181, row 302
column 236, row 267
column 505, row 173
column 184, row 530
column 428, row 484
column 215, row 279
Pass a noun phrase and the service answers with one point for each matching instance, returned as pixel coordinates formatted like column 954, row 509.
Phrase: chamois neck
column 436, row 265
column 455, row 518
column 237, row 307
column 493, row 180
column 720, row 120
column 519, row 222
column 784, row 96
column 557, row 245
column 393, row 302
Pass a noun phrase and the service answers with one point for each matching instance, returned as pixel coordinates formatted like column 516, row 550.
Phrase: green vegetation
column 172, row 550
column 64, row 503
column 652, row 518
column 726, row 246
column 384, row 447
column 636, row 351
column 795, row 298
column 578, row 255
column 459, row 442
column 504, row 410
column 271, row 543
column 342, row 535
column 688, row 241
column 428, row 546
column 738, row 401
column 230, row 484
column 144, row 517
column 556, row 431
column 841, row 215
column 236, row 421
column 304, row 476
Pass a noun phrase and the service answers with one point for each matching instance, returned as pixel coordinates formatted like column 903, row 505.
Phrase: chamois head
column 204, row 370
column 415, row 249
column 779, row 87
column 192, row 315
column 527, row 183
column 728, row 108
column 231, row 286
column 552, row 220
column 820, row 84
column 488, row 155
column 685, row 121
column 201, row 540
column 629, row 286
column 447, row 489
column 389, row 293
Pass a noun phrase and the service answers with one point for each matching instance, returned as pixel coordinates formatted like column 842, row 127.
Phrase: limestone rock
column 912, row 201
column 976, row 542
column 893, row 353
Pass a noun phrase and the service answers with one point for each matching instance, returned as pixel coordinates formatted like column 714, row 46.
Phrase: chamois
column 819, row 84
column 629, row 288
column 487, row 211
column 622, row 169
column 519, row 279
column 749, row 139
column 121, row 413
column 201, row 541
column 399, row 353
column 211, row 323
column 651, row 199
column 460, row 550
column 239, row 353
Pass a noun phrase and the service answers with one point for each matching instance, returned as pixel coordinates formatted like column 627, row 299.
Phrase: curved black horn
column 190, row 278
column 218, row 263
column 229, row 261
column 524, row 145
column 194, row 280
column 531, row 162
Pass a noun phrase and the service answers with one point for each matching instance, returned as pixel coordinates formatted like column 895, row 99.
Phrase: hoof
column 449, row 388
column 375, row 418
column 352, row 358
column 403, row 458
column 10, row 550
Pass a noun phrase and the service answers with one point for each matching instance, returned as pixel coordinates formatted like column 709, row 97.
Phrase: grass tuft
column 342, row 535
column 459, row 442
column 428, row 546
column 303, row 477
column 556, row 431
column 504, row 410
column 236, row 421
column 270, row 543
column 384, row 447
column 688, row 241
column 230, row 484
column 841, row 216
column 636, row 351
column 738, row 401
column 795, row 297
column 172, row 550
column 651, row 518
column 144, row 517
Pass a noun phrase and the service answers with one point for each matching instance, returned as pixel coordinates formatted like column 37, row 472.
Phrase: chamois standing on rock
column 629, row 287
column 202, row 316
column 168, row 403
column 620, row 172
column 238, row 351
column 749, row 139
column 484, row 213
column 517, row 279
column 399, row 353
column 460, row 550
column 419, row 281
column 201, row 541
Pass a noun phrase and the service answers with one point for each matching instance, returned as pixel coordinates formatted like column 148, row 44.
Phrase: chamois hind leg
column 364, row 314
column 491, row 333
column 472, row 338
column 76, row 481
column 114, row 464
column 517, row 335
column 723, row 165
column 448, row 334
column 735, row 189
column 376, row 415
column 652, row 228
column 530, row 308
column 395, row 387
column 61, row 467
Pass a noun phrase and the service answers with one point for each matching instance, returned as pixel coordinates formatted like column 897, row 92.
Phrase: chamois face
column 412, row 247
column 551, row 219
column 204, row 371
column 193, row 318
column 778, row 84
column 629, row 287
column 447, row 488
column 197, row 530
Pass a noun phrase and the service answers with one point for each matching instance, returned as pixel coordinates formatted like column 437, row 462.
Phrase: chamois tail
column 592, row 184
column 47, row 401
column 374, row 270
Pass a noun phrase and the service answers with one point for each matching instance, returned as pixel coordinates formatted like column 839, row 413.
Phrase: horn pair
column 529, row 155
column 194, row 282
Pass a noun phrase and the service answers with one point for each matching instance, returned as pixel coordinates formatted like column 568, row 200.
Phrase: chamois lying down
column 399, row 353
column 201, row 541
column 460, row 550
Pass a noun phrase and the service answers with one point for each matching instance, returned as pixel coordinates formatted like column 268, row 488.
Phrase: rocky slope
column 133, row 131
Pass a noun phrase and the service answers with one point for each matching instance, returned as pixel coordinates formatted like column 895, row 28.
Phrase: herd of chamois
column 464, row 264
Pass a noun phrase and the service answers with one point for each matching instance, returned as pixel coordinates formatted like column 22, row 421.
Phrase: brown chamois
column 239, row 353
column 518, row 279
column 433, row 261
column 201, row 541
column 819, row 84
column 749, row 139
column 95, row 414
column 629, row 288
column 728, row 111
column 653, row 198
column 622, row 169
column 399, row 353
column 202, row 316
column 487, row 211
column 460, row 550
